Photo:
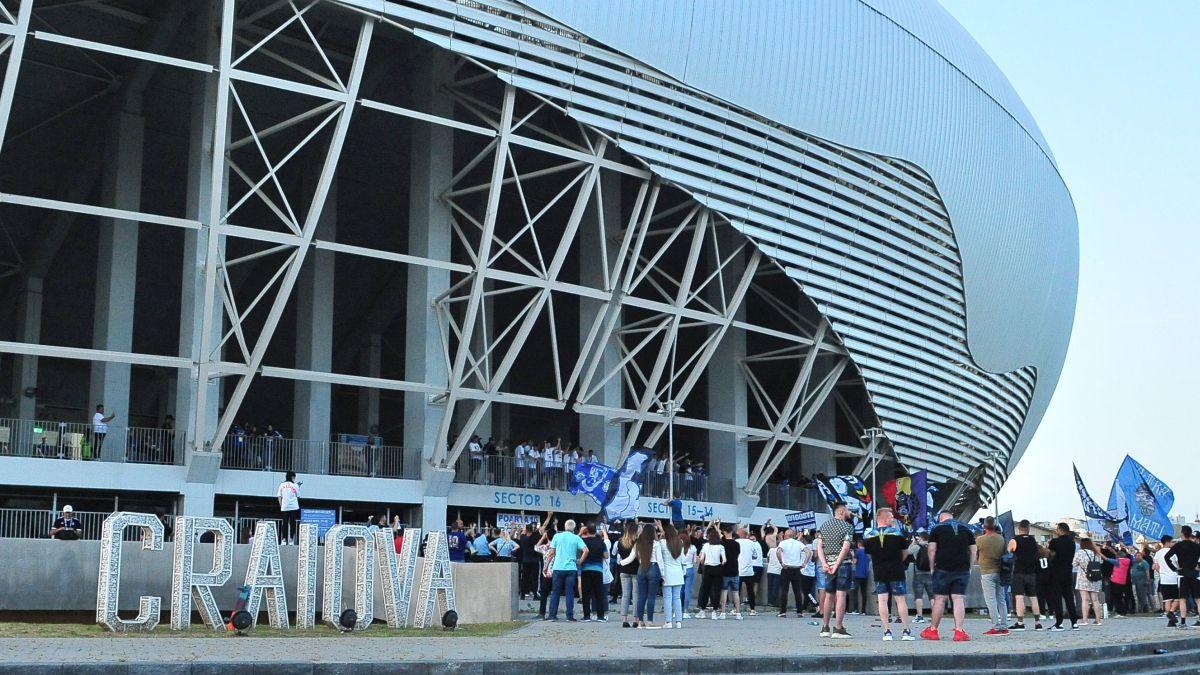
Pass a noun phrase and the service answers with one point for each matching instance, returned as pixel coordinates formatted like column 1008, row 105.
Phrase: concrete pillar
column 429, row 235
column 192, row 427
column 196, row 499
column 314, row 332
column 812, row 459
column 368, row 397
column 25, row 368
column 116, row 269
column 595, row 433
column 728, row 457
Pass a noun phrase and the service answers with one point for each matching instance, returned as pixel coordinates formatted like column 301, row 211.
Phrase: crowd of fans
column 718, row 571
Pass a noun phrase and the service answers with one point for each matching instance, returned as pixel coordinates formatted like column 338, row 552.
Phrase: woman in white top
column 288, row 495
column 774, row 567
column 670, row 553
column 1089, row 591
column 712, row 560
column 689, row 570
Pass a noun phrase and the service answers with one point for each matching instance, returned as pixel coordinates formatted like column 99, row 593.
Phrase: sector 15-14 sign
column 375, row 553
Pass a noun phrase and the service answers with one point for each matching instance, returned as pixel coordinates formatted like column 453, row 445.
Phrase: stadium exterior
column 776, row 235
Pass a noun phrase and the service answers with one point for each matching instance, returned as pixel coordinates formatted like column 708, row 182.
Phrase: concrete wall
column 50, row 575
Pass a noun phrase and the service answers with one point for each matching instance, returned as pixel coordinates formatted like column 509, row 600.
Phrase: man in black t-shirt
column 951, row 554
column 67, row 527
column 888, row 547
column 531, row 561
column 1062, row 553
column 1025, row 567
column 731, row 584
column 1184, row 559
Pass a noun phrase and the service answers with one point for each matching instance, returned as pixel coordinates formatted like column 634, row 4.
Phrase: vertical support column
column 595, row 433
column 314, row 334
column 116, row 269
column 429, row 235
column 25, row 368
column 818, row 460
column 728, row 454
column 368, row 397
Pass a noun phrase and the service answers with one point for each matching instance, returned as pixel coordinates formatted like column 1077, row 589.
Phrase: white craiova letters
column 364, row 575
column 264, row 575
column 397, row 573
column 186, row 584
column 437, row 580
column 306, row 577
column 108, row 586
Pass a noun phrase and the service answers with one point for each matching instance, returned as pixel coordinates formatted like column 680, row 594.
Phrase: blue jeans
column 647, row 591
column 673, row 603
column 689, row 578
column 563, row 582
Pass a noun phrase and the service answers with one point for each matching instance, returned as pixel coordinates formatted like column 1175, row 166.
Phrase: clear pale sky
column 1115, row 88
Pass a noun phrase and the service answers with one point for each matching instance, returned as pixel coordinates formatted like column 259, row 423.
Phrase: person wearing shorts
column 833, row 553
column 1025, row 578
column 887, row 545
column 951, row 553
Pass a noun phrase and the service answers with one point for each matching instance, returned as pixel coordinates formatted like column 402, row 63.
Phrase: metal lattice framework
column 536, row 186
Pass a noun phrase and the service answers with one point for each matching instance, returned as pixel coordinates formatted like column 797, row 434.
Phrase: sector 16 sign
column 375, row 553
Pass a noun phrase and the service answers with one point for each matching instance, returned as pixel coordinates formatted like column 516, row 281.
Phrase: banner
column 1007, row 528
column 802, row 520
column 1100, row 520
column 905, row 495
column 508, row 521
column 921, row 486
column 850, row 491
column 1142, row 499
column 617, row 492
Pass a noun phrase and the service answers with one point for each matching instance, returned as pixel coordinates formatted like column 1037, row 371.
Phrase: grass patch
column 75, row 630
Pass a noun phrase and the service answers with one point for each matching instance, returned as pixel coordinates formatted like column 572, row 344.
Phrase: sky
column 1115, row 89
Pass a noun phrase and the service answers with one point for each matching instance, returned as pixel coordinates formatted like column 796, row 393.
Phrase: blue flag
column 1142, row 499
column 850, row 491
column 617, row 492
column 1098, row 518
column 923, row 497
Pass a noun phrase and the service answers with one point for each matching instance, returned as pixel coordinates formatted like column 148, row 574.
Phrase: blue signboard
column 322, row 518
column 802, row 520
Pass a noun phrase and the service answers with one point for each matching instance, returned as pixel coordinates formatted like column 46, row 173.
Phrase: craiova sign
column 375, row 554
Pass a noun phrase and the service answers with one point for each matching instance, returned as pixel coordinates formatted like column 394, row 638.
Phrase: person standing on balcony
column 288, row 495
column 100, row 429
column 270, row 438
column 475, row 448
column 68, row 527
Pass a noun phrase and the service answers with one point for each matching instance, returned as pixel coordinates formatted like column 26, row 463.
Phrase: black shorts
column 1189, row 588
column 1169, row 591
column 1025, row 584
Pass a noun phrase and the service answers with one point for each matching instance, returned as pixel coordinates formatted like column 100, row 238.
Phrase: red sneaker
column 994, row 631
column 930, row 633
column 961, row 636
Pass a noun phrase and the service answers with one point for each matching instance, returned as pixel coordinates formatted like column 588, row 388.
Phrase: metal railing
column 328, row 458
column 50, row 439
column 777, row 496
column 538, row 474
column 36, row 523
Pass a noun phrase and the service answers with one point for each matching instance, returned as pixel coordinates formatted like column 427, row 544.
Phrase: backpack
column 923, row 557
column 1095, row 570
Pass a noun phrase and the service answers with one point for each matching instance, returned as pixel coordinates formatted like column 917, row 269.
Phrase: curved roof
column 901, row 79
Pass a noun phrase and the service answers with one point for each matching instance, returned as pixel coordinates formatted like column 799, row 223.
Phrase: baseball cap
column 68, row 508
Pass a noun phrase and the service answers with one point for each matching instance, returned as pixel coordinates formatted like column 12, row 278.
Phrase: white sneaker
column 668, row 626
column 753, row 613
column 722, row 617
column 686, row 615
column 714, row 616
column 679, row 624
column 737, row 615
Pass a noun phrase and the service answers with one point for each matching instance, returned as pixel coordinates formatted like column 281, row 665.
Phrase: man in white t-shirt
column 99, row 429
column 1168, row 582
column 750, row 552
column 288, row 495
column 791, row 555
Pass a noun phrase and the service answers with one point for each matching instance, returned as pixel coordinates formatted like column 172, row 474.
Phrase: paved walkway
column 765, row 635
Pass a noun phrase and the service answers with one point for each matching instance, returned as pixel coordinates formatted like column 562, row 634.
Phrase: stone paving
column 763, row 635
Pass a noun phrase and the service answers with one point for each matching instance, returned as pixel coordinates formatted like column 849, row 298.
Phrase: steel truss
column 670, row 272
